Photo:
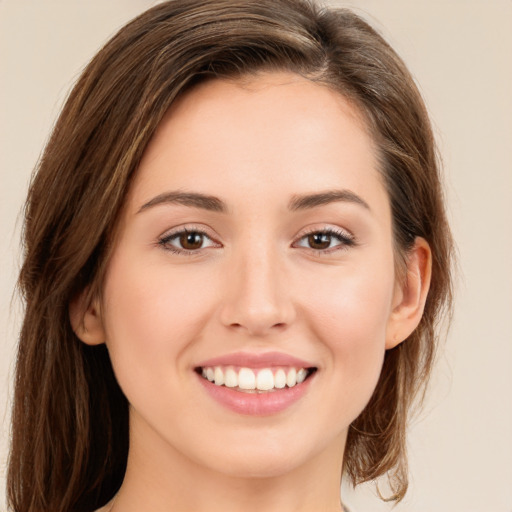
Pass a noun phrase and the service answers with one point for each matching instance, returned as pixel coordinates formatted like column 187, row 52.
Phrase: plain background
column 460, row 52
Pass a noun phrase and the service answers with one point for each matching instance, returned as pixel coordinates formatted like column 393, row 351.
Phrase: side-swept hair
column 70, row 418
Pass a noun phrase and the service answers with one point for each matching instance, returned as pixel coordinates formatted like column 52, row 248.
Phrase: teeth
column 301, row 375
column 231, row 378
column 246, row 379
column 291, row 377
column 265, row 379
column 280, row 379
column 219, row 376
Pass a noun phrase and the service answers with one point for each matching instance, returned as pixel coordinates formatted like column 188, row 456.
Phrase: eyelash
column 346, row 240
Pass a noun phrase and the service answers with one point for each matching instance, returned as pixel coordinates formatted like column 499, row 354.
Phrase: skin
column 256, row 285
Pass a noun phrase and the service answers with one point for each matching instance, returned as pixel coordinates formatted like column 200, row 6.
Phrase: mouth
column 255, row 380
column 256, row 384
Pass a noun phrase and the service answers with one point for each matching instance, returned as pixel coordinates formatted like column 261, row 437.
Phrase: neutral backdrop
column 460, row 52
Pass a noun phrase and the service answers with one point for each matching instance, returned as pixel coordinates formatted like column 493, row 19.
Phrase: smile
column 256, row 384
column 257, row 380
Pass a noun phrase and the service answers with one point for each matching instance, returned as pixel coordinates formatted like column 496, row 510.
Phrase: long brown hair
column 70, row 418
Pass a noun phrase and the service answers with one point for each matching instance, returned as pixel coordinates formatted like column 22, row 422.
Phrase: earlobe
column 85, row 318
column 411, row 294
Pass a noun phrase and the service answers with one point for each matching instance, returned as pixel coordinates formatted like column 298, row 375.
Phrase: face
column 255, row 243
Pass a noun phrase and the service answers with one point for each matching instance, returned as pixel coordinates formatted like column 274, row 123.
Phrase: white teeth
column 231, row 378
column 247, row 379
column 219, row 376
column 301, row 375
column 265, row 380
column 280, row 379
column 291, row 377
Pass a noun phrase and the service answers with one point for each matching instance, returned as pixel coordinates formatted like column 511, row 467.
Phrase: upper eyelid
column 201, row 230
column 328, row 228
column 190, row 229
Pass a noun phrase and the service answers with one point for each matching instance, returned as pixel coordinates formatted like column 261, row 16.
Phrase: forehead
column 268, row 133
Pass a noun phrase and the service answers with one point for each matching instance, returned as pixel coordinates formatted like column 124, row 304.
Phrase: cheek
column 355, row 305
column 351, row 318
column 150, row 317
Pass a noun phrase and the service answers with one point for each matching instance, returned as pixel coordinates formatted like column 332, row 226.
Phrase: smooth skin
column 255, row 282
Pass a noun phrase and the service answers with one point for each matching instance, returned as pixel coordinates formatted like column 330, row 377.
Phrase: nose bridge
column 256, row 298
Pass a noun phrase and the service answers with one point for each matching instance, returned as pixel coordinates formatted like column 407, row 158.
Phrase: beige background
column 461, row 54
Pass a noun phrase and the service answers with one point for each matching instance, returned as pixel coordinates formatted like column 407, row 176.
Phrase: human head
column 87, row 168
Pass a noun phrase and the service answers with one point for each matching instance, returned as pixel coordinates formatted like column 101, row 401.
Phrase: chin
column 260, row 467
column 253, row 458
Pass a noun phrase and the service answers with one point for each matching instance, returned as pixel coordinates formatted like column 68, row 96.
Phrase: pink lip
column 256, row 404
column 263, row 360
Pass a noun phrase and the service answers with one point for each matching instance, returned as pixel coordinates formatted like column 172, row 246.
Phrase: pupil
column 191, row 240
column 316, row 239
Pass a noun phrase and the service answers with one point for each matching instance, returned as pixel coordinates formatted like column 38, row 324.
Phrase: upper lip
column 252, row 360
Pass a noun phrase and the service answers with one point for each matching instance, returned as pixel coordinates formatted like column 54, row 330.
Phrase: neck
column 161, row 479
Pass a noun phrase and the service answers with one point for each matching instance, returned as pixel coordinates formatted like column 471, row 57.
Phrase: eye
column 326, row 241
column 186, row 241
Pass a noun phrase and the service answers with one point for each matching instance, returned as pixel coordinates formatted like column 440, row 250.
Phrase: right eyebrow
column 194, row 199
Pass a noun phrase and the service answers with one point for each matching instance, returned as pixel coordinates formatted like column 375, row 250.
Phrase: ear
column 410, row 294
column 85, row 318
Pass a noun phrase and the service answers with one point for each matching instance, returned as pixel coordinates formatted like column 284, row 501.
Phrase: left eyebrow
column 330, row 196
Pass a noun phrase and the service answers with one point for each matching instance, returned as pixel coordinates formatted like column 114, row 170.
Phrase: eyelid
column 331, row 229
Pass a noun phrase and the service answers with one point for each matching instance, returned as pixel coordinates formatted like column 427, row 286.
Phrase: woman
column 236, row 256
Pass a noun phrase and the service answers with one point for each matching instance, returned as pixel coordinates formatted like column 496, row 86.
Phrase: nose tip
column 256, row 299
column 257, row 322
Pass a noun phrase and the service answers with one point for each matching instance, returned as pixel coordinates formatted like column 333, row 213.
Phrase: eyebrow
column 214, row 204
column 193, row 199
column 305, row 202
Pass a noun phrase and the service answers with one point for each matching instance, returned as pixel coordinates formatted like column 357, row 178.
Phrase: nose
column 256, row 299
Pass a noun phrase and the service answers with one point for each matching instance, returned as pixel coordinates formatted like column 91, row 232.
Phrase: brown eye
column 327, row 240
column 319, row 241
column 191, row 240
column 186, row 242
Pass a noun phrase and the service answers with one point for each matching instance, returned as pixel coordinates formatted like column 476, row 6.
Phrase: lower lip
column 256, row 404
